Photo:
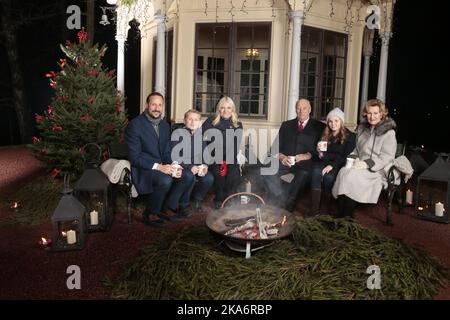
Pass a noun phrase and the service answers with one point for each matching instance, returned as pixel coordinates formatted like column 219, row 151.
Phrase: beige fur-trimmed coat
column 377, row 147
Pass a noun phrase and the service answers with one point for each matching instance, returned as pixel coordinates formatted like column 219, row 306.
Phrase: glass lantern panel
column 68, row 235
column 432, row 194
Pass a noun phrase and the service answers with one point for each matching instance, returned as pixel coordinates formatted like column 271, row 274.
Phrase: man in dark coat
column 297, row 140
column 152, row 172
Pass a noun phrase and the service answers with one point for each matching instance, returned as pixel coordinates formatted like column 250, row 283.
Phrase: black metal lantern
column 433, row 191
column 68, row 221
column 93, row 189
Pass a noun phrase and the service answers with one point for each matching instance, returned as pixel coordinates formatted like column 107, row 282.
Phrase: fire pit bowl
column 224, row 219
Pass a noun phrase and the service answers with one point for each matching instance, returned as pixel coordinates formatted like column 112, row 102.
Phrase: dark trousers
column 346, row 206
column 201, row 186
column 319, row 182
column 285, row 194
column 171, row 192
column 225, row 186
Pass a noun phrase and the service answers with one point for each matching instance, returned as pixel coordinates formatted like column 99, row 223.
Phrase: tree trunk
column 90, row 20
column 10, row 43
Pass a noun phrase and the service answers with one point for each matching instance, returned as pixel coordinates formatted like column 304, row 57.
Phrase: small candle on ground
column 71, row 237
column 439, row 209
column 409, row 196
column 94, row 217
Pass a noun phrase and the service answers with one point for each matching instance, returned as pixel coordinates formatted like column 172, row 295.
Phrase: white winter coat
column 377, row 146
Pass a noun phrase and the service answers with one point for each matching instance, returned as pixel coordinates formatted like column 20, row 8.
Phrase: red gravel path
column 27, row 271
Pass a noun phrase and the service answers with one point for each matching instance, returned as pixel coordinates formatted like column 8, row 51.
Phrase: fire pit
column 250, row 227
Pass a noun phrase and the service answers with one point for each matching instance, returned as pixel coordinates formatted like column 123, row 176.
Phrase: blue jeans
column 201, row 186
column 178, row 195
column 318, row 181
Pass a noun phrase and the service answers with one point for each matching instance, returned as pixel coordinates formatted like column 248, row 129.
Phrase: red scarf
column 223, row 169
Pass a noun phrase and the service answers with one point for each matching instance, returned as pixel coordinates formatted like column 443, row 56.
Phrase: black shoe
column 170, row 215
column 156, row 222
column 184, row 212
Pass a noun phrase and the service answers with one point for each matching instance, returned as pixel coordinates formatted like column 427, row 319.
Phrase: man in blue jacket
column 152, row 172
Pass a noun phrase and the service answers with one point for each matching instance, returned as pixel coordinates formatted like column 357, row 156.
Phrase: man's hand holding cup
column 202, row 170
column 176, row 170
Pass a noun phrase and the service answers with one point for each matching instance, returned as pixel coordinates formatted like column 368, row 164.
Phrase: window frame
column 319, row 85
column 232, row 75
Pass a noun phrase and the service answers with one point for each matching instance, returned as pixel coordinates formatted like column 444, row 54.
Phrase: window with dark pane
column 322, row 69
column 233, row 59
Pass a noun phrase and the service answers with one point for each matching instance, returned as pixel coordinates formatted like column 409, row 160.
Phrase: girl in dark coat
column 338, row 142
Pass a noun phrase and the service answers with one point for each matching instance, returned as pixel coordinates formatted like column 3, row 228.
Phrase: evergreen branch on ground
column 325, row 259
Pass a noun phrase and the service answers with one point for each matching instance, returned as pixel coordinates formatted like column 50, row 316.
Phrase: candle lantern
column 68, row 221
column 93, row 190
column 433, row 191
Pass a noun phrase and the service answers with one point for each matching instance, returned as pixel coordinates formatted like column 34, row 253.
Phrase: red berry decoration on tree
column 83, row 110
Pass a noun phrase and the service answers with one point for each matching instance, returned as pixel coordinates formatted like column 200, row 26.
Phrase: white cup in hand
column 201, row 170
column 349, row 163
column 322, row 145
column 175, row 169
column 291, row 160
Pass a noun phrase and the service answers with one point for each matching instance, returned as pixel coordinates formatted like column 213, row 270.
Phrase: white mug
column 245, row 199
column 201, row 170
column 349, row 163
column 176, row 167
column 322, row 145
column 291, row 160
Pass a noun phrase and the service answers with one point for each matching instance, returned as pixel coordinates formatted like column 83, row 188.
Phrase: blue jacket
column 145, row 149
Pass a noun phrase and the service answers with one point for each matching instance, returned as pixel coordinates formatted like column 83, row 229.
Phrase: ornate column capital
column 385, row 37
column 298, row 15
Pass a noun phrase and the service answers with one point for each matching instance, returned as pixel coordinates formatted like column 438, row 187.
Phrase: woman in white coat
column 375, row 148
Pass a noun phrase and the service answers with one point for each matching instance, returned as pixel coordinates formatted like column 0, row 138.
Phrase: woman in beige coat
column 375, row 148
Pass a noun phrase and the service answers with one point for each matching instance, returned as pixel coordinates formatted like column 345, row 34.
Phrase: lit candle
column 45, row 242
column 15, row 206
column 409, row 196
column 71, row 237
column 439, row 209
column 94, row 217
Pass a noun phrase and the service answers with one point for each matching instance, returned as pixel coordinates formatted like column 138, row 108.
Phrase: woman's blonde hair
column 376, row 103
column 340, row 136
column 234, row 116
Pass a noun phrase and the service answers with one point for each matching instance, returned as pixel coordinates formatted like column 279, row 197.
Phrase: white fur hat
column 336, row 112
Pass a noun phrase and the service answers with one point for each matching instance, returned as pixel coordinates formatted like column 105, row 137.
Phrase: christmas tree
column 86, row 108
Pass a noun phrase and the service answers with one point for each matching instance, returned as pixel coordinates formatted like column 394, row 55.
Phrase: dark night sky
column 418, row 81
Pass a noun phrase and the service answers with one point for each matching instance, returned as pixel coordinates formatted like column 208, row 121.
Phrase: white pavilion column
column 367, row 52
column 382, row 73
column 122, row 26
column 160, row 55
column 121, row 64
column 294, row 80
